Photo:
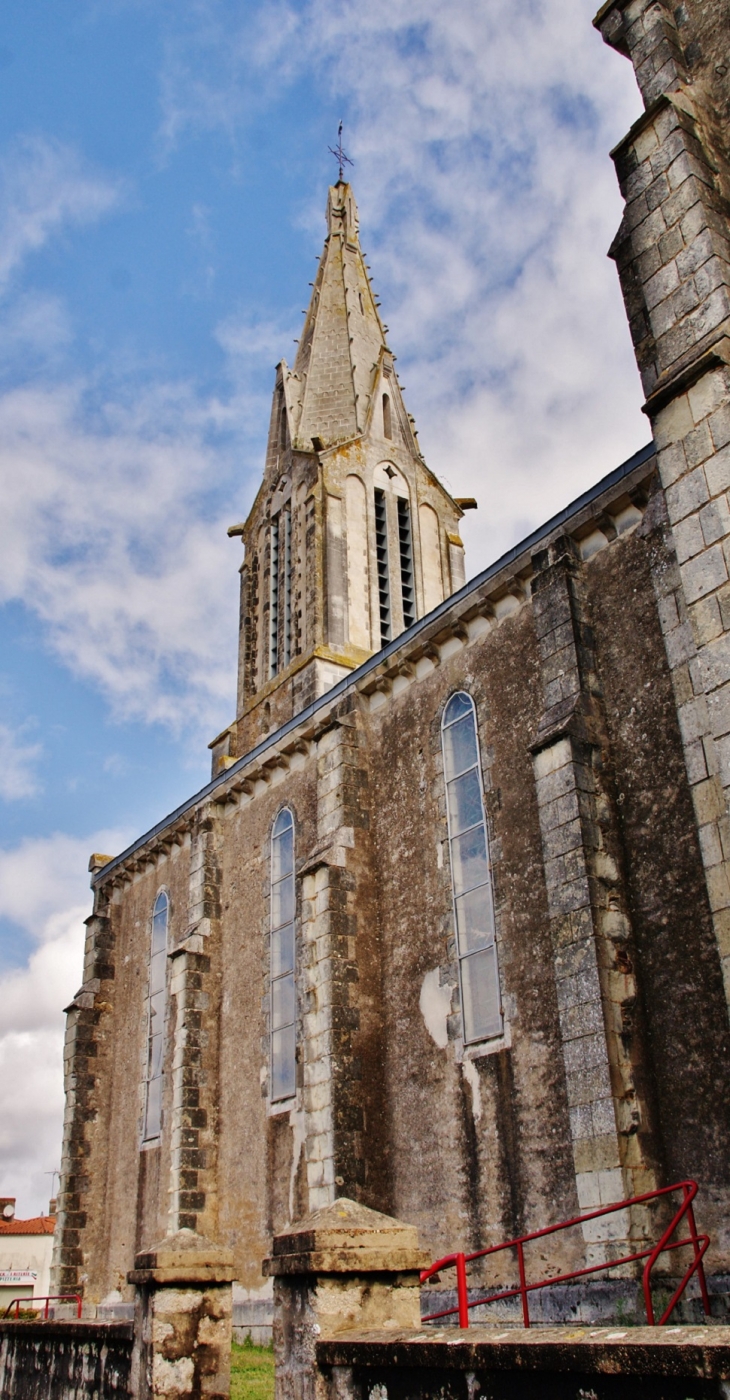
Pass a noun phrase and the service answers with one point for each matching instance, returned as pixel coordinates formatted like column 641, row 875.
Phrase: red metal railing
column 699, row 1244
column 30, row 1304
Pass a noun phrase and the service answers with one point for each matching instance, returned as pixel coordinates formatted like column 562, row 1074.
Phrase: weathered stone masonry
column 673, row 257
column 376, row 1093
column 85, row 1048
column 195, row 978
column 590, row 927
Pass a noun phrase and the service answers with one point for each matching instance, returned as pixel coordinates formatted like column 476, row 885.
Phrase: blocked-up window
column 471, row 874
column 283, row 956
column 156, row 1007
column 387, row 418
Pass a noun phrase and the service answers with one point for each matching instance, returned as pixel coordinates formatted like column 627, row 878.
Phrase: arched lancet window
column 156, row 1006
column 283, row 988
column 387, row 425
column 470, row 872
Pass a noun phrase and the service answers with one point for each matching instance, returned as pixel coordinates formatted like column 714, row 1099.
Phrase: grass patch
column 252, row 1372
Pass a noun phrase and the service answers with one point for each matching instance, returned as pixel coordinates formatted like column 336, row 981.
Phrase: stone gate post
column 182, row 1321
column 342, row 1267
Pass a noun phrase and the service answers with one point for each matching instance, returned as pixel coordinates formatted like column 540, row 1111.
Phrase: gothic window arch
column 156, row 1009
column 471, row 874
column 387, row 417
column 282, row 960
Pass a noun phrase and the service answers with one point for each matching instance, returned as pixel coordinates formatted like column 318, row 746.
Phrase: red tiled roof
column 39, row 1225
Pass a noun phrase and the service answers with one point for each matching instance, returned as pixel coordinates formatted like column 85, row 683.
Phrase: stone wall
column 65, row 1360
column 545, row 1364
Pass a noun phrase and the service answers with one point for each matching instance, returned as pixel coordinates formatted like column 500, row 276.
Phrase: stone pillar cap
column 183, row 1258
column 346, row 1238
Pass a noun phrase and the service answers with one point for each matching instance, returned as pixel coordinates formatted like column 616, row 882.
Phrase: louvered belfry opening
column 406, row 562
column 381, row 547
column 274, row 600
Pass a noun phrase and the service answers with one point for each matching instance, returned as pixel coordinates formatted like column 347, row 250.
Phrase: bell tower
column 351, row 538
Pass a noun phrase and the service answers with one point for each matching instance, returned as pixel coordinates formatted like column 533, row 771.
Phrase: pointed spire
column 343, row 340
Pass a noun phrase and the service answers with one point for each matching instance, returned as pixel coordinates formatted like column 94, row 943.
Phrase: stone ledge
column 648, row 1351
column 204, row 1275
column 687, row 372
column 346, row 1238
column 346, row 1261
column 182, row 1258
column 83, row 1329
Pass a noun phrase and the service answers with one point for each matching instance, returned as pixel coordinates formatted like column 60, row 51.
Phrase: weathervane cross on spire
column 338, row 153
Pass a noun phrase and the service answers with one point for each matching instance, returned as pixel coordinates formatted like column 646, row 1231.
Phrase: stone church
column 448, row 931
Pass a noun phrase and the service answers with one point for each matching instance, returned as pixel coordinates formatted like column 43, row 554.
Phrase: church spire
column 351, row 538
column 332, row 385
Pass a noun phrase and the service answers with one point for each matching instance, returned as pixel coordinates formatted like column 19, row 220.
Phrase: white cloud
column 44, row 185
column 18, row 758
column 44, row 890
column 481, row 137
column 111, row 538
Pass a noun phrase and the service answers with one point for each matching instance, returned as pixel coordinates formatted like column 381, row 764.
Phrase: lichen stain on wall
column 471, row 1075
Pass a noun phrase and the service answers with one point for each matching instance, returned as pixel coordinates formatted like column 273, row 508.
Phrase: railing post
column 698, row 1256
column 462, row 1292
column 523, row 1284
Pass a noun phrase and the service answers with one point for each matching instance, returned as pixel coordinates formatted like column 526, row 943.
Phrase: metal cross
column 338, row 153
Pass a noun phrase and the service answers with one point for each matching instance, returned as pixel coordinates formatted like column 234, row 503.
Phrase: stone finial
column 346, row 1238
column 342, row 215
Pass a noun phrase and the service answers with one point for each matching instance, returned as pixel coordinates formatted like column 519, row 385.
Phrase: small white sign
column 9, row 1278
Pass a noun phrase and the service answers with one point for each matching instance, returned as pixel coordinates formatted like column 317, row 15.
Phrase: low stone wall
column 65, row 1360
column 546, row 1363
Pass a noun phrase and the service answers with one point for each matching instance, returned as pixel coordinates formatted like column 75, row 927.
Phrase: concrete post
column 182, row 1323
column 340, row 1268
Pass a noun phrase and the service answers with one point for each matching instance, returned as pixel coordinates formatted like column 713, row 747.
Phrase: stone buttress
column 673, row 256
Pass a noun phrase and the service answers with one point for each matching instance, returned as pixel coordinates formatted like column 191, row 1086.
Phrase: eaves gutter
column 355, row 677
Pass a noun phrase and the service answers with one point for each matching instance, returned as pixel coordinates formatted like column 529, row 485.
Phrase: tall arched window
column 470, row 872
column 387, row 425
column 156, row 1005
column 283, row 989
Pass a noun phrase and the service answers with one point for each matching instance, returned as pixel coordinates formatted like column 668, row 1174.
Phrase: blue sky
column 164, row 168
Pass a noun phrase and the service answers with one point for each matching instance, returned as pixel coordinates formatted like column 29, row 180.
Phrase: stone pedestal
column 183, row 1316
column 342, row 1267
